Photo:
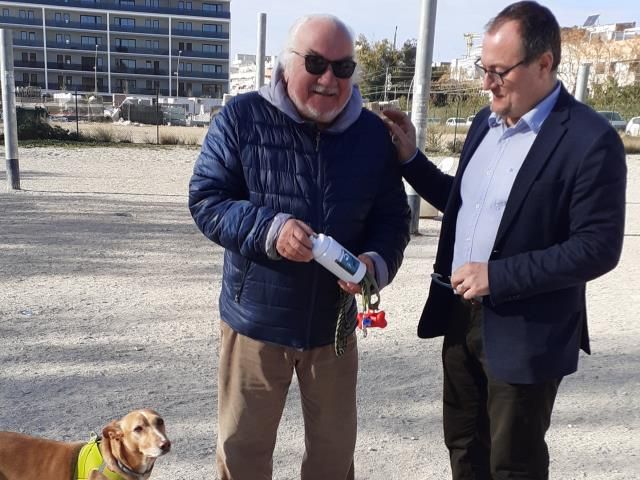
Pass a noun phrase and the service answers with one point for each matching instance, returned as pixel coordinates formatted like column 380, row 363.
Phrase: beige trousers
column 253, row 381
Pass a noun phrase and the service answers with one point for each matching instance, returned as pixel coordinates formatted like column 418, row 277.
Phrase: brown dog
column 129, row 449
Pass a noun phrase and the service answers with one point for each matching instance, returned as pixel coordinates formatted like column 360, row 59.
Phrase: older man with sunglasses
column 299, row 157
column 535, row 210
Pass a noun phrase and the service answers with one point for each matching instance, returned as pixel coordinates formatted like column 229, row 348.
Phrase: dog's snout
column 165, row 446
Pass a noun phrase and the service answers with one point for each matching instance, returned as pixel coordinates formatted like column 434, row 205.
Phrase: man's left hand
column 354, row 288
column 471, row 280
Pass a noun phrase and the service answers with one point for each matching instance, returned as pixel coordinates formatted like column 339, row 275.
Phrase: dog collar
column 90, row 459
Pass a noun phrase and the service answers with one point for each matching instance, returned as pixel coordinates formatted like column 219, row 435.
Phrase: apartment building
column 138, row 47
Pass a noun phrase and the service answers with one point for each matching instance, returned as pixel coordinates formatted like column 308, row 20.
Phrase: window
column 89, row 42
column 24, row 36
column 25, row 78
column 149, row 23
column 126, row 63
column 23, row 14
column 63, row 38
column 34, row 79
column 124, row 22
column 211, row 27
column 206, row 68
column 151, row 3
column 207, row 48
column 211, row 90
column 152, row 44
column 32, row 36
column 68, row 80
column 5, row 12
column 188, row 26
column 211, row 7
column 127, row 3
column 123, row 44
column 91, row 19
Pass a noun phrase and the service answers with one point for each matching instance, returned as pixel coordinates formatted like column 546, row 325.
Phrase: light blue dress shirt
column 488, row 179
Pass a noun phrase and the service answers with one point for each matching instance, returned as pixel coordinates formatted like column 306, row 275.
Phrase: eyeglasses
column 496, row 77
column 317, row 65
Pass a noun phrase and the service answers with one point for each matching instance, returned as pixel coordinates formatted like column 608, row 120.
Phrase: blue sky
column 377, row 19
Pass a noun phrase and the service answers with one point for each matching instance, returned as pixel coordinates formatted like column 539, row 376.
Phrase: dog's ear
column 113, row 431
column 111, row 446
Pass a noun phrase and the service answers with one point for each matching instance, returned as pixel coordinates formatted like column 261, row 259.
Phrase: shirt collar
column 535, row 117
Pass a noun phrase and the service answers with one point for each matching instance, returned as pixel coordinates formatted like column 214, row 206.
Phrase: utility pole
column 421, row 90
column 9, row 109
column 177, row 75
column 387, row 79
column 262, row 39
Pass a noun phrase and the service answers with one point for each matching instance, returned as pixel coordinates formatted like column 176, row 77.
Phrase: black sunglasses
column 317, row 65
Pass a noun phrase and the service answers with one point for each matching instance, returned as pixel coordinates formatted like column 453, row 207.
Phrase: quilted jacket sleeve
column 387, row 231
column 218, row 192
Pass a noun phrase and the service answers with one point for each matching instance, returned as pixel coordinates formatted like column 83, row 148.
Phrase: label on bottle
column 348, row 262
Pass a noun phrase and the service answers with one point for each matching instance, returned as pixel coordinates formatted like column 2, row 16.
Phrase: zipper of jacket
column 314, row 283
column 245, row 271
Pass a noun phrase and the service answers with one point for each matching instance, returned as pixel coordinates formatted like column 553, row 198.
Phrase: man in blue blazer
column 535, row 210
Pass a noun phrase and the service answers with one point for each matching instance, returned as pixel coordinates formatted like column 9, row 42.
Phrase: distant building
column 133, row 47
column 242, row 77
column 613, row 50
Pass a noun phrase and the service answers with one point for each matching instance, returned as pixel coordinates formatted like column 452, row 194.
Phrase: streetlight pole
column 178, row 73
column 95, row 71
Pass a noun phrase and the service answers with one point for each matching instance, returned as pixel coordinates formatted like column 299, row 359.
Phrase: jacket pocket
column 243, row 279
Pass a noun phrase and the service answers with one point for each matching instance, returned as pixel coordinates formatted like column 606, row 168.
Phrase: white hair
column 285, row 54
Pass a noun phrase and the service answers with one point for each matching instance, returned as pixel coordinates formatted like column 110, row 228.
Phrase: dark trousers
column 494, row 430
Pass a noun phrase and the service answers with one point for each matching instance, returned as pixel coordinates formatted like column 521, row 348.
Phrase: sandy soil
column 108, row 302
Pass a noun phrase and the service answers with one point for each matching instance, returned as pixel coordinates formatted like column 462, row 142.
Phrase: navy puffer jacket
column 256, row 162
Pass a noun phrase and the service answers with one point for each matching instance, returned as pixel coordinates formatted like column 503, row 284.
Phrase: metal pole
column 177, row 74
column 421, row 89
column 582, row 81
column 262, row 40
column 9, row 110
column 157, row 113
column 77, row 115
column 95, row 72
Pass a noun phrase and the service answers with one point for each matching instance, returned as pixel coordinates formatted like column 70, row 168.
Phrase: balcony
column 139, row 50
column 120, row 70
column 113, row 5
column 76, row 46
column 78, row 87
column 100, row 27
column 139, row 30
column 77, row 67
column 204, row 75
column 27, row 43
column 36, row 22
column 206, row 55
column 179, row 32
column 21, row 64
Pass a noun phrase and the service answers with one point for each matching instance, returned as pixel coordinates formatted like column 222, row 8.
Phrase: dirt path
column 108, row 302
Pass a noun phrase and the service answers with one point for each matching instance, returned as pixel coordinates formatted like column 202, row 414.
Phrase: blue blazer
column 562, row 226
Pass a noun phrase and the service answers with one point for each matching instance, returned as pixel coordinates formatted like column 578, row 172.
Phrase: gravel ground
column 108, row 302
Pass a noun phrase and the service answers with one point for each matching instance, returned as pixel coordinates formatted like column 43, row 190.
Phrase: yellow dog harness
column 90, row 459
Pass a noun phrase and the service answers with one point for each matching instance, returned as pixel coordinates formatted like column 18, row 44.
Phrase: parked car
column 453, row 121
column 633, row 127
column 470, row 119
column 615, row 119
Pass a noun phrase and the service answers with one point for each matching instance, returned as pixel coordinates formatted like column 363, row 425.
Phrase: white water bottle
column 337, row 259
